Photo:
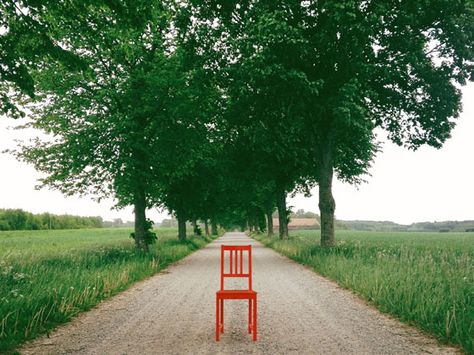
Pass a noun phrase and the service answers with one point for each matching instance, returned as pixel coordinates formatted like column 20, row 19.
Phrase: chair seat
column 236, row 294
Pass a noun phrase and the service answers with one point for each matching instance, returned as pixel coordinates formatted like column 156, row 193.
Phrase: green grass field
column 426, row 279
column 47, row 277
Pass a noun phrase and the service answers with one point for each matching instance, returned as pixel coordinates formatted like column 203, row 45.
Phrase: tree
column 268, row 97
column 279, row 95
column 381, row 69
column 109, row 121
column 189, row 177
column 356, row 66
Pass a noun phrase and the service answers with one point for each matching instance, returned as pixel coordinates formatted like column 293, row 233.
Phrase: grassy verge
column 47, row 277
column 425, row 279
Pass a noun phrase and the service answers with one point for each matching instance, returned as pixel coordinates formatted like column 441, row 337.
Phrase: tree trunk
column 181, row 229
column 194, row 224
column 140, row 220
column 214, row 228
column 206, row 228
column 269, row 223
column 282, row 219
column 327, row 205
column 261, row 222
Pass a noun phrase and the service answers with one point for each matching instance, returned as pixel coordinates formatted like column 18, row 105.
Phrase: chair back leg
column 255, row 319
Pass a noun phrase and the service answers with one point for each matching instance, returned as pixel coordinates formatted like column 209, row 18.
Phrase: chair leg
column 250, row 316
column 217, row 319
column 255, row 319
column 222, row 316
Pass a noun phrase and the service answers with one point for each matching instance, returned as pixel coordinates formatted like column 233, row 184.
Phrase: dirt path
column 173, row 313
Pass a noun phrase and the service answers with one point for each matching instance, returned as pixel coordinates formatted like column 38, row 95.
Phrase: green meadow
column 424, row 279
column 47, row 277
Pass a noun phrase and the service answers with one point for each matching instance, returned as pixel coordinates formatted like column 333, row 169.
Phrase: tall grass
column 47, row 277
column 426, row 279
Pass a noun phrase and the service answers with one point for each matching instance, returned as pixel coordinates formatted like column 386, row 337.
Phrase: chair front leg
column 222, row 315
column 217, row 319
column 250, row 316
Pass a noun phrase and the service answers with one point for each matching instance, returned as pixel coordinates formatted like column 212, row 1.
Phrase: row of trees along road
column 217, row 110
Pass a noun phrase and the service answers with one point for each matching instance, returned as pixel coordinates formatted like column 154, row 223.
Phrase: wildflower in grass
column 7, row 270
column 18, row 276
column 15, row 293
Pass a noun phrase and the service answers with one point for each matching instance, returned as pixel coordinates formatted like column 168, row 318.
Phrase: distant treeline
column 388, row 226
column 17, row 219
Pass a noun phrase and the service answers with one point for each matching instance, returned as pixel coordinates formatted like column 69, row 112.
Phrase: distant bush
column 169, row 223
column 17, row 219
column 150, row 236
column 117, row 223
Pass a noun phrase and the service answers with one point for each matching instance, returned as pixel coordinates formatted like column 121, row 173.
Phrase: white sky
column 405, row 186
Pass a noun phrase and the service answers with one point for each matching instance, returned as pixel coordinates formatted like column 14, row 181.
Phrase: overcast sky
column 405, row 186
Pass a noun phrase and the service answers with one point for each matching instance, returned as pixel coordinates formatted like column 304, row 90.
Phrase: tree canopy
column 217, row 110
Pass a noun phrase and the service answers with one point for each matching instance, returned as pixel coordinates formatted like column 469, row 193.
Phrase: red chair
column 236, row 269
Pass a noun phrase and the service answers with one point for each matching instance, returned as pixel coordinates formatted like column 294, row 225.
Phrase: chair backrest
column 235, row 267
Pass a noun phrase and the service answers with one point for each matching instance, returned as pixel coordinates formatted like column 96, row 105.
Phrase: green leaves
column 159, row 96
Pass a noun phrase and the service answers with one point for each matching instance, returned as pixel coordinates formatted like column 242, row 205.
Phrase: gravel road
column 173, row 313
